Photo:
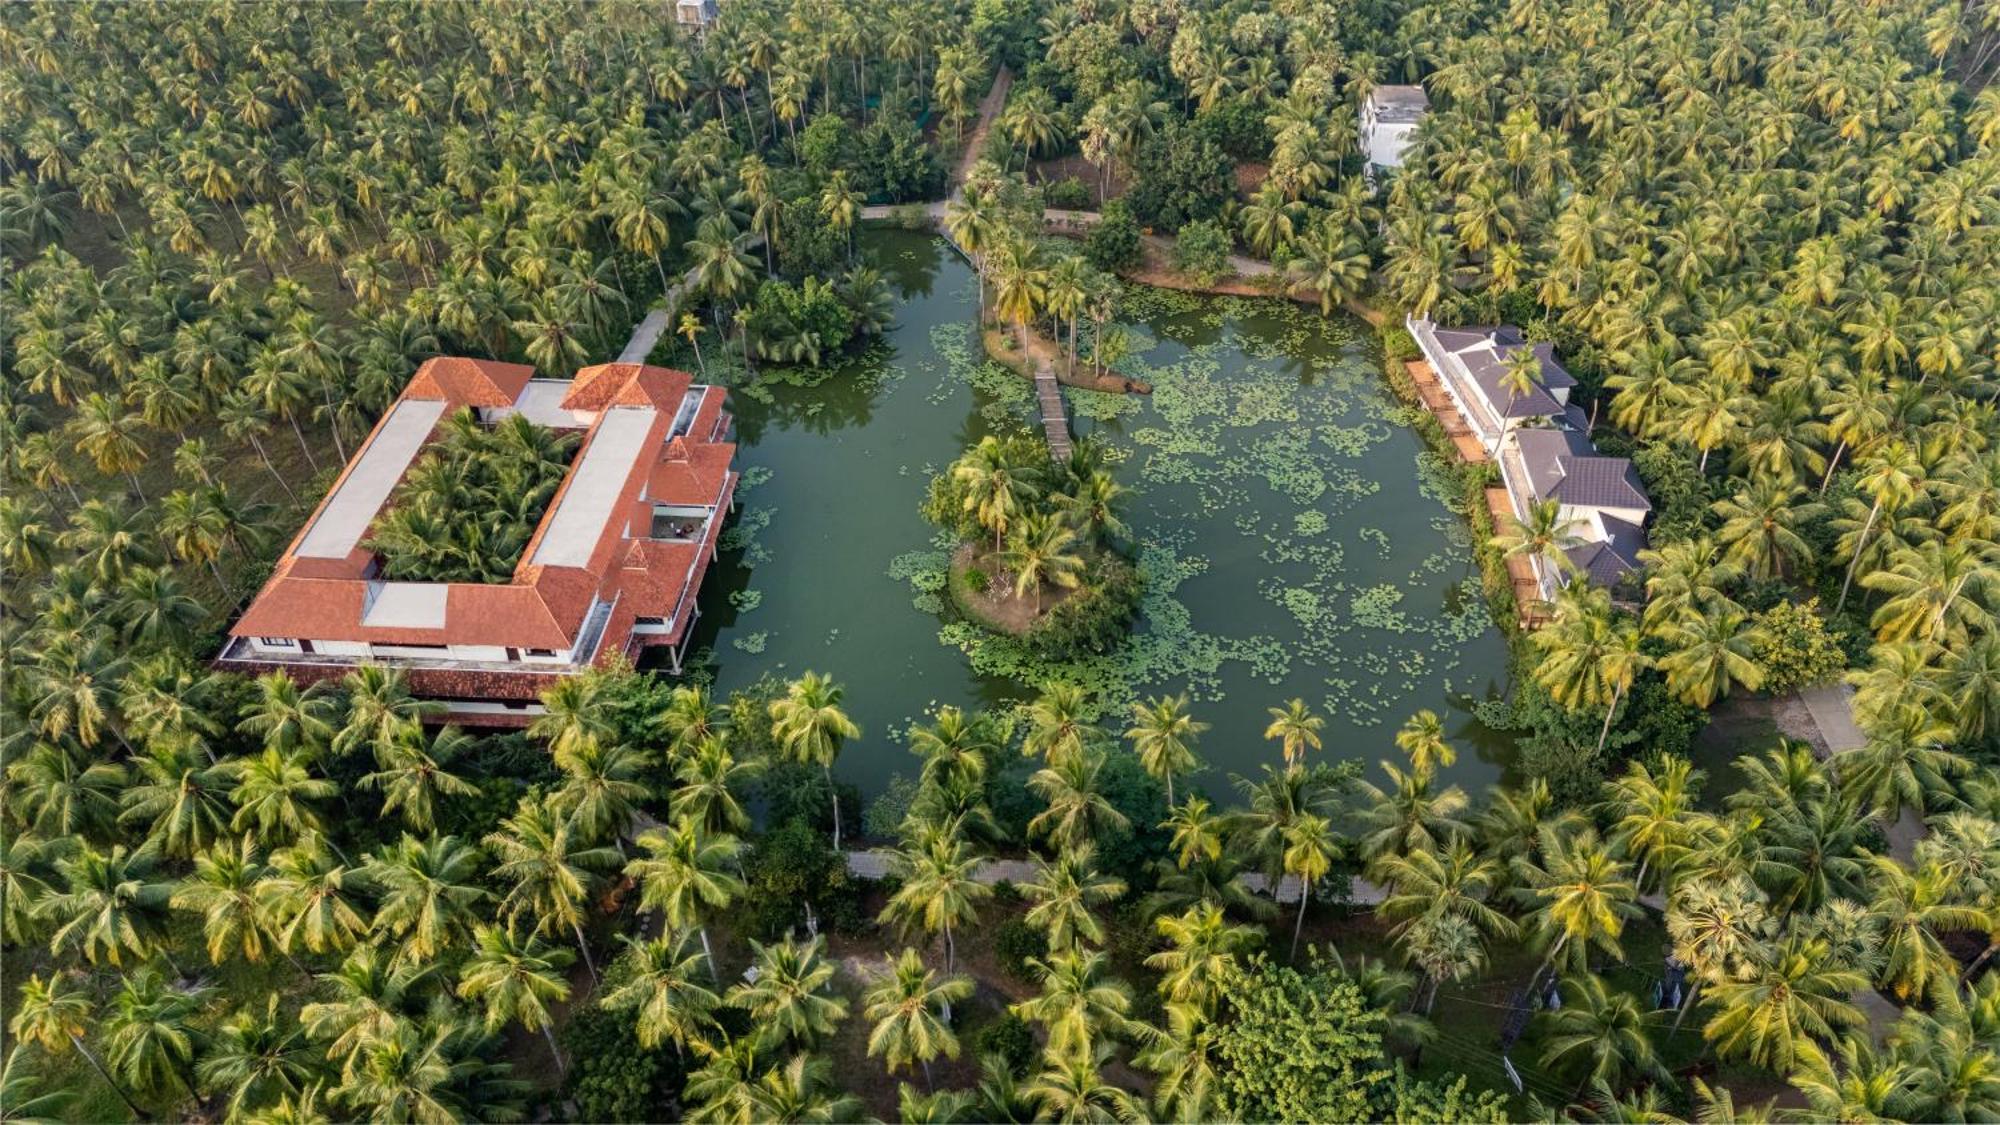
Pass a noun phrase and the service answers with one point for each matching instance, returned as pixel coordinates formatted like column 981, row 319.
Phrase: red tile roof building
column 614, row 567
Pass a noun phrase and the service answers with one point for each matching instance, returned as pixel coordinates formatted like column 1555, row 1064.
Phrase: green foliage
column 1420, row 1101
column 892, row 163
column 793, row 869
column 468, row 507
column 1398, row 344
column 1014, row 941
column 1113, row 244
column 1680, row 496
column 1094, row 618
column 1067, row 194
column 1293, row 1045
column 803, row 323
column 1180, row 175
column 1236, row 127
column 883, row 819
column 808, row 245
column 1202, row 250
column 1008, row 1036
column 613, row 1078
column 1794, row 648
column 823, row 144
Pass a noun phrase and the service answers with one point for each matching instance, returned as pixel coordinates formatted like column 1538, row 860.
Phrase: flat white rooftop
column 353, row 505
column 407, row 605
column 541, row 403
column 615, row 447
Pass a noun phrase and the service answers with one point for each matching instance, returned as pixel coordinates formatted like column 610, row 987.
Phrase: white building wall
column 1384, row 143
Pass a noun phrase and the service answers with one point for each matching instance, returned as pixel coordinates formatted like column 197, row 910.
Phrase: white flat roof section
column 407, row 605
column 615, row 447
column 352, row 507
column 541, row 403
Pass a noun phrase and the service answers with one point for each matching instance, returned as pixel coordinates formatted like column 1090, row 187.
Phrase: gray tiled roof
column 1489, row 368
column 1399, row 103
column 1607, row 561
column 1563, row 465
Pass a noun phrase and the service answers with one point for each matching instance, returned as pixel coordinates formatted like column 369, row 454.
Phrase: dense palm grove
column 1762, row 233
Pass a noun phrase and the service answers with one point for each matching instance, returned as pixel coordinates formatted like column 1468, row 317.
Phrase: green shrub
column 1201, row 249
column 1180, row 175
column 977, row 580
column 1069, row 194
column 884, row 818
column 1794, row 648
column 1113, row 244
column 1008, row 1036
column 1680, row 496
column 1095, row 618
column 1398, row 344
column 794, row 869
column 611, row 1077
column 1013, row 943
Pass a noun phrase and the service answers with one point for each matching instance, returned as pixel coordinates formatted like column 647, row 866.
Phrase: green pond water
column 1293, row 540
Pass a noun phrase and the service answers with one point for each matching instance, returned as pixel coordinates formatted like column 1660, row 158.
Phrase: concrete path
column 645, row 335
column 1832, row 710
column 1055, row 418
column 877, row 863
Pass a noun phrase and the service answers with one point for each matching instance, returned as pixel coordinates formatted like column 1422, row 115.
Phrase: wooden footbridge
column 1055, row 415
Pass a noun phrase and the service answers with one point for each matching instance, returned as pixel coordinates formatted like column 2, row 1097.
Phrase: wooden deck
column 1438, row 400
column 1520, row 572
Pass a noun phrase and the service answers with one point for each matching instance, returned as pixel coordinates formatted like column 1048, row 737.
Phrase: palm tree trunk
column 583, row 946
column 265, row 457
column 710, row 955
column 134, row 478
column 303, row 447
column 834, row 793
column 97, row 1064
column 1853, row 564
column 1170, row 789
column 1832, row 463
column 1605, row 732
column 1305, row 896
column 548, row 1033
column 1687, row 1005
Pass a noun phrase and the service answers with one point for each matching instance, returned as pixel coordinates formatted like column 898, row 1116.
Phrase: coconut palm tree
column 1296, row 729
column 1422, row 738
column 1581, row 896
column 109, row 906
column 801, row 1090
column 55, row 1014
column 1071, row 1088
column 222, row 889
column 602, row 790
column 1912, row 908
column 1711, row 653
column 939, row 891
column 1201, row 944
column 788, row 998
column 429, row 899
column 1075, row 807
column 997, row 491
column 810, row 727
column 256, row 1058
column 1163, row 734
column 689, row 873
column 1598, row 1033
column 149, row 1037
column 1058, row 730
column 548, row 872
column 1784, row 1005
column 1042, row 552
column 312, row 898
column 903, row 1006
column 672, row 1004
column 1652, row 815
column 710, row 782
column 1065, row 892
column 1077, row 1003
column 515, row 979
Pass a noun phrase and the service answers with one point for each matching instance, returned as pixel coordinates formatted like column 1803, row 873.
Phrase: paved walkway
column 1832, row 709
column 877, row 863
column 645, row 335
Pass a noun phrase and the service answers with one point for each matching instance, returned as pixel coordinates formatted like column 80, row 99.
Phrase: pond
column 1294, row 539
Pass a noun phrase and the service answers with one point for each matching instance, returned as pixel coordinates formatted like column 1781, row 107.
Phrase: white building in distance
column 1389, row 119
